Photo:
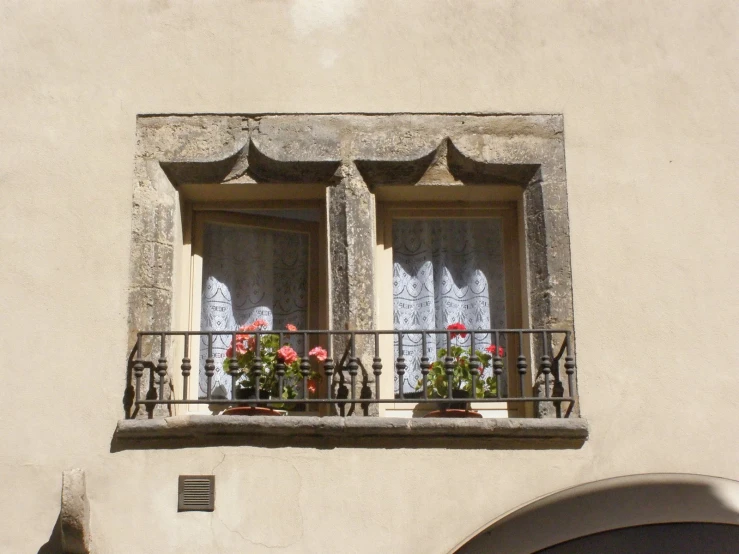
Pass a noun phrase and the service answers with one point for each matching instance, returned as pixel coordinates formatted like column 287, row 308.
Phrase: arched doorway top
column 608, row 504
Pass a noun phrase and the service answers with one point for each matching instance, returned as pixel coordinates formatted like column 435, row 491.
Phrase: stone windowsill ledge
column 205, row 430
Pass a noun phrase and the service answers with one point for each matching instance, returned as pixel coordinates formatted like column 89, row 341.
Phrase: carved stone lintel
column 75, row 513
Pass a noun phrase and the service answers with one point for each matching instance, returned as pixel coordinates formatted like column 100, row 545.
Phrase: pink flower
column 319, row 353
column 492, row 349
column 252, row 343
column 287, row 354
column 457, row 326
column 241, row 347
column 256, row 325
column 291, row 327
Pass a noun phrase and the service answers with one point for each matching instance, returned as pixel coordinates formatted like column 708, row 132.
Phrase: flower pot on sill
column 246, row 393
column 462, row 405
column 453, row 412
column 455, row 409
column 252, row 411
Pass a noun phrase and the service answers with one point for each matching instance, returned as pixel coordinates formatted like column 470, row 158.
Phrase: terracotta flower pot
column 454, row 412
column 252, row 411
column 462, row 405
column 455, row 409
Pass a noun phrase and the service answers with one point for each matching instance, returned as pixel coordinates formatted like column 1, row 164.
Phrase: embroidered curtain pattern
column 445, row 271
column 249, row 274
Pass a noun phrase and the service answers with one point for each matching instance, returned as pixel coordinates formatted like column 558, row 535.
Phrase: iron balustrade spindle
column 233, row 366
column 546, row 362
column 570, row 364
column 400, row 365
column 377, row 366
column 138, row 368
column 521, row 365
column 353, row 366
column 449, row 365
column 425, row 366
column 186, row 367
column 280, row 372
column 257, row 365
column 497, row 365
column 328, row 370
column 305, row 366
column 474, row 365
column 162, row 366
column 210, row 367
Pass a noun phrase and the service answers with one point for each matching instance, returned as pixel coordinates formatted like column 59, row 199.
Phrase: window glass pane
column 249, row 274
column 446, row 271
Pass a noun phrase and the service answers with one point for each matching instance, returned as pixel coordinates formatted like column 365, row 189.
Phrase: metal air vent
column 196, row 493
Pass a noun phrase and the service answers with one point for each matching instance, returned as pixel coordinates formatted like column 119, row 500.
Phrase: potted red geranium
column 271, row 353
column 438, row 383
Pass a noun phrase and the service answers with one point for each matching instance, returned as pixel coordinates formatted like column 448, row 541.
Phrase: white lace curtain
column 249, row 274
column 445, row 271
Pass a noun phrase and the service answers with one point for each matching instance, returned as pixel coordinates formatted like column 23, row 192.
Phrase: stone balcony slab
column 189, row 431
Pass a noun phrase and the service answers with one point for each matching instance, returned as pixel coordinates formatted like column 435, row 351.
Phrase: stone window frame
column 353, row 156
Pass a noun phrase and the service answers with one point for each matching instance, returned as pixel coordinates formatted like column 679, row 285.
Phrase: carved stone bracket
column 75, row 513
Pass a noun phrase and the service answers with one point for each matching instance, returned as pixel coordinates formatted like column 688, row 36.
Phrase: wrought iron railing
column 552, row 349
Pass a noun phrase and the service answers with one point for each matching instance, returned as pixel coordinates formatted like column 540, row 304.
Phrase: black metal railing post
column 377, row 365
column 209, row 367
column 162, row 365
column 400, row 366
column 257, row 365
column 328, row 369
column 305, row 366
column 546, row 363
column 449, row 365
column 522, row 366
column 474, row 365
column 186, row 367
column 570, row 365
column 233, row 366
column 353, row 367
column 280, row 370
column 497, row 365
column 425, row 366
column 138, row 368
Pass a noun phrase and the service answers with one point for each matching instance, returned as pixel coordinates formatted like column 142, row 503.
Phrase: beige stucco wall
column 649, row 97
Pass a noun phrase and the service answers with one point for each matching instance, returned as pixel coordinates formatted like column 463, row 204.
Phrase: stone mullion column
column 351, row 223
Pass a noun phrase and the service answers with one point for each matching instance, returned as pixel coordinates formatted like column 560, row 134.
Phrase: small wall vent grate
column 196, row 493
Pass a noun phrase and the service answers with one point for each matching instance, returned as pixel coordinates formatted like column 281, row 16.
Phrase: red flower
column 492, row 348
column 256, row 325
column 252, row 343
column 287, row 354
column 457, row 326
column 241, row 347
column 291, row 327
column 320, row 353
column 312, row 386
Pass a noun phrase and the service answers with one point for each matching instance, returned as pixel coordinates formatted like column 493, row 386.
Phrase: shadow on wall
column 625, row 502
column 54, row 544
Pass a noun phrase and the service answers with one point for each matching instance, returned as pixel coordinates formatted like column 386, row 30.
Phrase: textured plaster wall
column 649, row 98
